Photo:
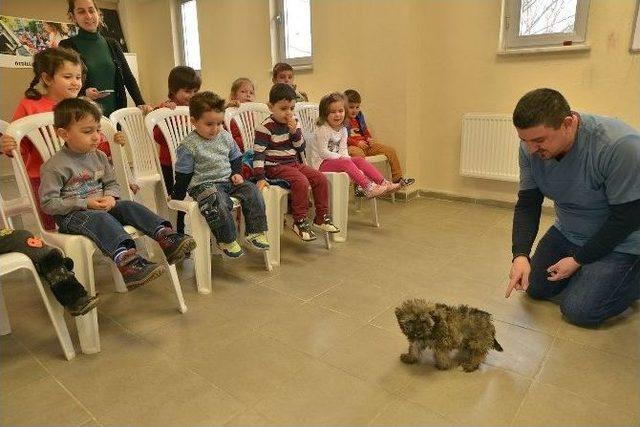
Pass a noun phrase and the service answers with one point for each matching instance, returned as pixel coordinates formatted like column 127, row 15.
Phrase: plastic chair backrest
column 307, row 113
column 247, row 117
column 143, row 150
column 174, row 124
column 5, row 222
column 119, row 158
column 228, row 114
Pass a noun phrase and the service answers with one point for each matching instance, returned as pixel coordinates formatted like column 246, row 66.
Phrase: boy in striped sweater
column 277, row 147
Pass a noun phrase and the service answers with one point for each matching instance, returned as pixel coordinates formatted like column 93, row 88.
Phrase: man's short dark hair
column 69, row 111
column 353, row 96
column 183, row 77
column 280, row 91
column 203, row 102
column 541, row 107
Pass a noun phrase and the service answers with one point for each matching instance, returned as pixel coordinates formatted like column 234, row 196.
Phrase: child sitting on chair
column 80, row 190
column 329, row 151
column 362, row 144
column 208, row 167
column 277, row 145
column 242, row 90
column 283, row 73
column 55, row 269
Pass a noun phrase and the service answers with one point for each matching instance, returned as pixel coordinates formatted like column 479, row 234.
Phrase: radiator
column 489, row 147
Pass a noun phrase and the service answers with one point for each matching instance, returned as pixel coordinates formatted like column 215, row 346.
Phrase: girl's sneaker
column 374, row 190
column 390, row 187
column 258, row 240
column 327, row 225
column 302, row 229
column 232, row 250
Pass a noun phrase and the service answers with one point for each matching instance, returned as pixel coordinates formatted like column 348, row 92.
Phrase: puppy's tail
column 496, row 345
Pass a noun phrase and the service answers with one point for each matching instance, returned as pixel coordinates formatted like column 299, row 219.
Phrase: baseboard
column 480, row 201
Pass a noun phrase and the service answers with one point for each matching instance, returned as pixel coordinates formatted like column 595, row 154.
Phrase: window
column 544, row 23
column 190, row 38
column 292, row 35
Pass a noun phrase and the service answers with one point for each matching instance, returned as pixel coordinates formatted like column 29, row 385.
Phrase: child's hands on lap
column 8, row 144
column 96, row 203
column 262, row 184
column 120, row 139
column 237, row 179
column 109, row 202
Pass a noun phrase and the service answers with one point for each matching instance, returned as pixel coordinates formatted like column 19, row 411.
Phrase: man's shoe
column 232, row 250
column 302, row 229
column 258, row 240
column 137, row 271
column 176, row 246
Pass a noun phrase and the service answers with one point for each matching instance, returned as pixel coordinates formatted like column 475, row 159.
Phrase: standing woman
column 107, row 68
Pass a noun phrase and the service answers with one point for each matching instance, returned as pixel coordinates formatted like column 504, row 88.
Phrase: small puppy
column 443, row 328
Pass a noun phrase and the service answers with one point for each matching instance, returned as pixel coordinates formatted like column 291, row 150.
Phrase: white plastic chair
column 307, row 113
column 175, row 125
column 18, row 205
column 146, row 165
column 13, row 261
column 39, row 129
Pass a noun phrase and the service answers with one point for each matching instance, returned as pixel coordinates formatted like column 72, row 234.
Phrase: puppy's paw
column 467, row 367
column 408, row 358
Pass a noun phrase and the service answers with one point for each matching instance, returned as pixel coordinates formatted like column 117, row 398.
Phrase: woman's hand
column 93, row 94
column 120, row 139
column 8, row 144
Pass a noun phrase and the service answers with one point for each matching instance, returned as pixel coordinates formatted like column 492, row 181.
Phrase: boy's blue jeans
column 105, row 228
column 252, row 205
column 595, row 292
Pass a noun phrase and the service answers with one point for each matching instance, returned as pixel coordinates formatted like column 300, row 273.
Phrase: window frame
column 180, row 34
column 511, row 40
column 278, row 37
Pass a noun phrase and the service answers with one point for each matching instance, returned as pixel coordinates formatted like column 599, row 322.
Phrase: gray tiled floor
column 315, row 341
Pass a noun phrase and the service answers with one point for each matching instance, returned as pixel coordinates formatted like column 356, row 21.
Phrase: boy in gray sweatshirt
column 78, row 187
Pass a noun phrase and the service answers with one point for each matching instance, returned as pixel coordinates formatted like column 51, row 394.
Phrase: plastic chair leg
column 374, row 211
column 5, row 324
column 339, row 203
column 56, row 315
column 275, row 205
column 175, row 281
column 202, row 253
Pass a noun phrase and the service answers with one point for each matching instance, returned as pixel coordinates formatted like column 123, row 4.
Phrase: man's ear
column 62, row 133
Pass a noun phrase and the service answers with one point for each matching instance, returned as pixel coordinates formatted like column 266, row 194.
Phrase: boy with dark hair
column 283, row 73
column 183, row 83
column 362, row 144
column 277, row 145
column 208, row 167
column 80, row 190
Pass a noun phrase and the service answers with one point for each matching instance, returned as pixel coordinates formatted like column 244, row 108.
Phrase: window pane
column 190, row 37
column 547, row 16
column 297, row 28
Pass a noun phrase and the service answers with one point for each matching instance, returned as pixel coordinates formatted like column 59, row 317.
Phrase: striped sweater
column 274, row 145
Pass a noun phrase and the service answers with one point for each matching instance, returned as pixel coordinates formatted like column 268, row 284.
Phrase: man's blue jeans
column 595, row 292
column 105, row 228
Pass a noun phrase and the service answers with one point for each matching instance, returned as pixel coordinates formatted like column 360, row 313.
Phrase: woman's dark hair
column 48, row 61
column 71, row 5
column 325, row 103
column 183, row 77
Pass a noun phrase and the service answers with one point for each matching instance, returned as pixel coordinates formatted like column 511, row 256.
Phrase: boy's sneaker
column 82, row 305
column 136, row 271
column 405, row 182
column 258, row 240
column 375, row 190
column 175, row 246
column 302, row 229
column 327, row 225
column 232, row 250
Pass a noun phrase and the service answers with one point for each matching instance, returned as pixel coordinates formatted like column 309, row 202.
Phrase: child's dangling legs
column 368, row 169
column 216, row 206
column 253, row 209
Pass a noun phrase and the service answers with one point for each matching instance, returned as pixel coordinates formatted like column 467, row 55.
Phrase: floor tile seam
column 281, row 292
column 47, row 371
column 545, row 359
column 524, row 326
column 407, row 397
column 597, row 349
column 75, row 399
column 521, row 404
